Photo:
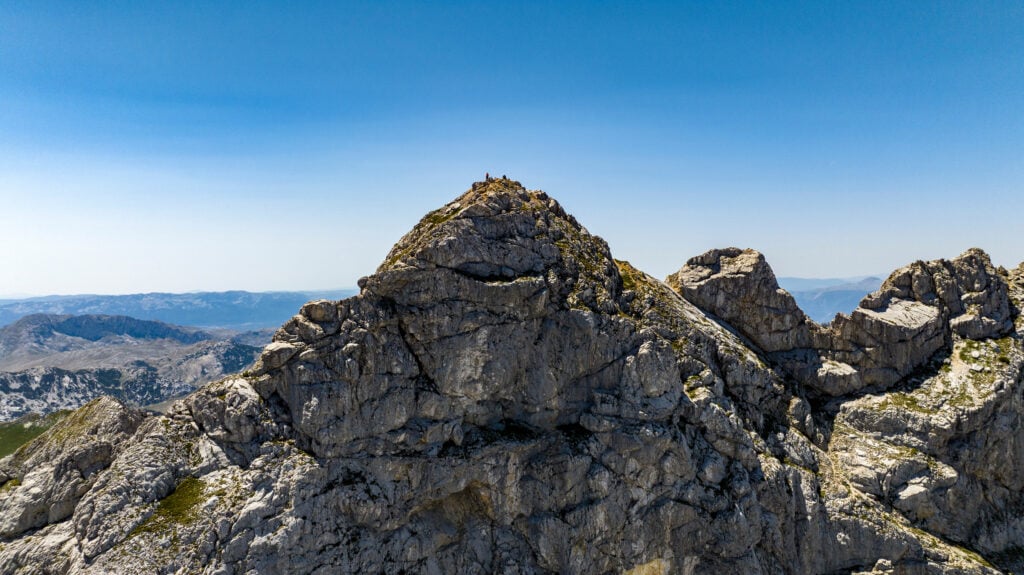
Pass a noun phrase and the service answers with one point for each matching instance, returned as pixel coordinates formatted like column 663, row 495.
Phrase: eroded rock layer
column 504, row 397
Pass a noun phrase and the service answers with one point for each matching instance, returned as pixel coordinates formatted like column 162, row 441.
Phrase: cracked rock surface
column 505, row 397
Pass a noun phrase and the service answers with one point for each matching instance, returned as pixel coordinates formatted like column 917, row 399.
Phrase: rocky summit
column 505, row 397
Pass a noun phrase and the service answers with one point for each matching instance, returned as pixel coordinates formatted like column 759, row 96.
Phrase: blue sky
column 209, row 146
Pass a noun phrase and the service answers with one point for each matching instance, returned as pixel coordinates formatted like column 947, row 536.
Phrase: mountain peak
column 503, row 396
column 496, row 185
column 740, row 287
column 465, row 233
column 498, row 231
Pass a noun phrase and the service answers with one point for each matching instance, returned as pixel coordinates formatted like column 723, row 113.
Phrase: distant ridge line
column 237, row 309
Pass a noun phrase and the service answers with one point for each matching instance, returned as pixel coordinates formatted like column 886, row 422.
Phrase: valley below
column 55, row 362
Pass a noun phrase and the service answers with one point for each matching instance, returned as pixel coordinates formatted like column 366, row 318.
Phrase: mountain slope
column 50, row 362
column 14, row 434
column 504, row 397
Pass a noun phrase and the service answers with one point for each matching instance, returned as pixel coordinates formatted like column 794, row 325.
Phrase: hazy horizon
column 23, row 296
column 267, row 147
column 816, row 283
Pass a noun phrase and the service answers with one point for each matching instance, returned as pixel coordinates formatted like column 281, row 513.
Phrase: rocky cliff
column 504, row 397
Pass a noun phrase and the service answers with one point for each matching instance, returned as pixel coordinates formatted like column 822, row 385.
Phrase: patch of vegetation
column 966, row 349
column 585, row 250
column 181, row 507
column 10, row 484
column 628, row 274
column 933, row 542
column 646, row 288
column 692, row 382
column 76, row 423
column 420, row 234
column 679, row 346
column 238, row 356
column 901, row 400
column 1003, row 347
column 438, row 217
column 110, row 379
column 993, row 358
column 14, row 434
column 963, row 382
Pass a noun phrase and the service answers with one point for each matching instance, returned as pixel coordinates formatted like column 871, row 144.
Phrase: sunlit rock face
column 505, row 397
column 915, row 314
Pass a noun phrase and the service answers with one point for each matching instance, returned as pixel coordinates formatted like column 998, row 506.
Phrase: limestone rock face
column 44, row 480
column 739, row 287
column 504, row 397
column 894, row 331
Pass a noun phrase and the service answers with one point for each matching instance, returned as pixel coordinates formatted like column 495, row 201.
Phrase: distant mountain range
column 50, row 362
column 238, row 310
column 822, row 299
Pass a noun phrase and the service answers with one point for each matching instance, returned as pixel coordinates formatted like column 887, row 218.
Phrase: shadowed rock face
column 893, row 332
column 504, row 397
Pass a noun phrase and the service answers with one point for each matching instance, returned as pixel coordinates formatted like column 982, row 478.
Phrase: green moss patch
column 903, row 401
column 181, row 507
column 9, row 485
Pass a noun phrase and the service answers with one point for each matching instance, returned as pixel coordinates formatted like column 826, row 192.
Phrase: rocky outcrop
column 739, row 287
column 504, row 397
column 896, row 330
column 45, row 480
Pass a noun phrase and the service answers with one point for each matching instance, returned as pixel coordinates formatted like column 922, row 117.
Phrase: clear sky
column 213, row 145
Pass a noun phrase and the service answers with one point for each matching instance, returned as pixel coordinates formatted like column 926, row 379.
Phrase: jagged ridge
column 503, row 396
column 895, row 330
